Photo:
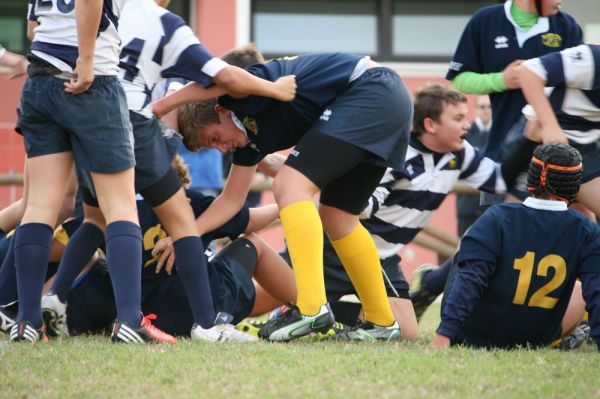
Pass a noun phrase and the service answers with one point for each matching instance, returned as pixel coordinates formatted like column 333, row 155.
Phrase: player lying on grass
column 514, row 281
column 90, row 305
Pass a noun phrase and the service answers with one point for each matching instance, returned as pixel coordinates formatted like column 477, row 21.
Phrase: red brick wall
column 12, row 154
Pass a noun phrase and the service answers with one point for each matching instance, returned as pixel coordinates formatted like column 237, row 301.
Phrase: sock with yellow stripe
column 359, row 256
column 304, row 236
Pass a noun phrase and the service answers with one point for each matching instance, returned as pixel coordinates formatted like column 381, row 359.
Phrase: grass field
column 94, row 368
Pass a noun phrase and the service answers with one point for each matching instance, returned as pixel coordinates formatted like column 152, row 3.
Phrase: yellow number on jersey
column 540, row 298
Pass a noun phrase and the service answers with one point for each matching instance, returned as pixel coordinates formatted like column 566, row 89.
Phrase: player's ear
column 221, row 111
column 429, row 125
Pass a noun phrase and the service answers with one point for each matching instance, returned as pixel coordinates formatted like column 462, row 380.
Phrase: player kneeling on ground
column 514, row 282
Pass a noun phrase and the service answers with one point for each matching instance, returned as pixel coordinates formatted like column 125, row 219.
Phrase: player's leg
column 572, row 332
column 160, row 186
column 78, row 252
column 272, row 273
column 48, row 175
column 341, row 202
column 178, row 218
column 588, row 195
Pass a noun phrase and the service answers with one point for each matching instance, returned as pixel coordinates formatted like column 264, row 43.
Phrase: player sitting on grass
column 514, row 281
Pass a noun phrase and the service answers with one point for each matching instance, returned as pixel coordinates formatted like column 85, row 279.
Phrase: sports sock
column 193, row 271
column 304, row 236
column 79, row 250
column 8, row 275
column 359, row 256
column 435, row 281
column 32, row 250
column 124, row 261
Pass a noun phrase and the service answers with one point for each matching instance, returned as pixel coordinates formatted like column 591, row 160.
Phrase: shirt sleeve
column 481, row 172
column 590, row 283
column 232, row 228
column 575, row 67
column 471, row 280
column 31, row 11
column 483, row 239
column 379, row 196
column 247, row 156
column 479, row 83
column 180, row 53
column 466, row 56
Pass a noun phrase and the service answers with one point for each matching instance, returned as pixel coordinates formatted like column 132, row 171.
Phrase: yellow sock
column 304, row 236
column 359, row 256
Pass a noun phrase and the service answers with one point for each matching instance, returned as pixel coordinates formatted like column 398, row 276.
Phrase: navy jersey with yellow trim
column 534, row 257
column 153, row 231
column 274, row 125
column 490, row 42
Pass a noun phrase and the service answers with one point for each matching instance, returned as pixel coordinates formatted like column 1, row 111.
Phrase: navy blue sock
column 8, row 274
column 32, row 250
column 124, row 261
column 192, row 269
column 80, row 249
column 435, row 280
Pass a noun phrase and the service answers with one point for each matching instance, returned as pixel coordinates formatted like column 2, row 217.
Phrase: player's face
column 224, row 135
column 451, row 128
column 484, row 109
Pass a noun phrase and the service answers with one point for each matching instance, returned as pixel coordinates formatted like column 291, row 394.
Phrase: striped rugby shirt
column 406, row 199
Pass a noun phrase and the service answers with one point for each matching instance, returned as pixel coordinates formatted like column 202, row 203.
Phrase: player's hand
column 439, row 341
column 157, row 109
column 18, row 69
column 511, row 78
column 553, row 133
column 286, row 88
column 84, row 77
column 164, row 247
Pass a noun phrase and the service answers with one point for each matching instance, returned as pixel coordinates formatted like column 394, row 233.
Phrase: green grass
column 92, row 367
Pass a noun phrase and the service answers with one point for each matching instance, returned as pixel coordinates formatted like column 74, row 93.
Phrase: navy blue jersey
column 153, row 231
column 274, row 125
column 490, row 42
column 531, row 253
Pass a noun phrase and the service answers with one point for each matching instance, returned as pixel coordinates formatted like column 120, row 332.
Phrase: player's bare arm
column 87, row 14
column 533, row 90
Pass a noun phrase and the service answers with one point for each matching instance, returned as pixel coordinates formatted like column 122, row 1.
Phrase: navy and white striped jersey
column 575, row 75
column 406, row 199
column 55, row 39
column 158, row 44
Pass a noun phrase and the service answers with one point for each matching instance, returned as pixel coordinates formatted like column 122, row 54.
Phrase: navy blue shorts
column 155, row 147
column 230, row 273
column 374, row 113
column 590, row 156
column 94, row 125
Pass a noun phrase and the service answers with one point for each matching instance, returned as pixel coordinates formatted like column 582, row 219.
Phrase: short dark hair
column 430, row 100
column 555, row 171
column 244, row 56
column 192, row 117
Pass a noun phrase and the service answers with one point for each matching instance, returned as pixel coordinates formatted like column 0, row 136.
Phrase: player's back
column 55, row 38
column 154, row 45
column 538, row 255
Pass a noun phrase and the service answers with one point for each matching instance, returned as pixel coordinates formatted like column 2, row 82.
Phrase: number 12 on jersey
column 539, row 298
